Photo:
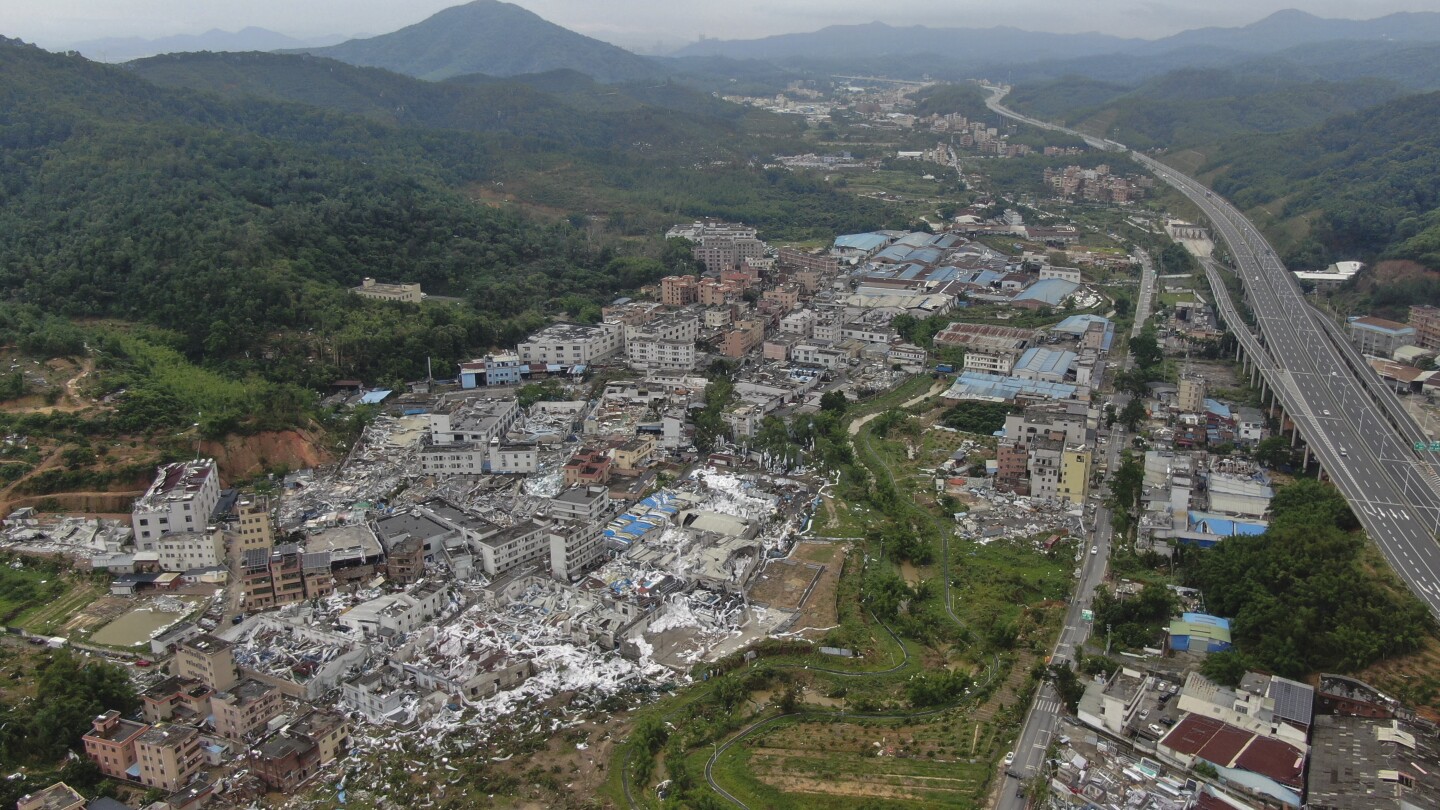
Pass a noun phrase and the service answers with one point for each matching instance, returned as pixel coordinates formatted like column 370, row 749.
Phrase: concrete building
column 110, row 744
column 408, row 293
column 255, row 527
column 679, row 291
column 588, row 467
column 906, row 354
column 501, row 368
column 244, row 709
column 186, row 551
column 1379, row 337
column 209, row 660
column 394, row 615
column 1191, row 397
column 988, row 349
column 575, row 547
column 169, row 756
column 272, row 577
column 801, row 322
column 474, row 420
column 58, row 796
column 569, row 344
column 1363, row 763
column 290, row 757
column 181, row 499
column 185, row 700
column 1425, row 320
column 665, row 343
column 742, row 338
column 586, row 504
column 377, row 694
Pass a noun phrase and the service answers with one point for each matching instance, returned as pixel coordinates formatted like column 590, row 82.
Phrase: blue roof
column 928, row 255
column 1050, row 291
column 915, row 239
column 894, row 253
column 374, row 397
column 910, row 271
column 979, row 385
column 1215, row 407
column 1206, row 618
column 1077, row 324
column 945, row 274
column 945, row 240
column 862, row 241
column 1223, row 526
column 1040, row 360
column 987, row 277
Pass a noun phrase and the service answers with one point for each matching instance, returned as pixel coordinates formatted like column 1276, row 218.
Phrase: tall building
column 110, row 744
column 168, row 756
column 181, row 499
column 1426, row 321
column 1191, row 397
column 679, row 291
column 209, row 660
column 255, row 529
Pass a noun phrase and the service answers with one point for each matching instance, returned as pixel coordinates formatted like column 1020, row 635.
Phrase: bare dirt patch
column 246, row 456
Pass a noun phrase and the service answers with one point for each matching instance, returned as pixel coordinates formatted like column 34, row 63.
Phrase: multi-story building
column 585, row 504
column 522, row 543
column 817, row 353
column 720, row 252
column 1012, row 463
column 990, row 349
column 209, row 660
column 287, row 759
column 570, row 344
column 667, row 342
column 907, row 354
column 635, row 453
column 513, row 458
column 1379, row 337
column 715, row 292
column 405, row 292
column 255, row 529
column 1425, row 320
column 110, row 744
column 827, row 326
column 177, row 698
column 801, row 323
column 186, row 551
column 742, row 338
column 244, row 709
column 810, row 268
column 58, row 796
column 273, row 577
column 588, row 467
column 574, row 547
column 785, row 296
column 1074, row 486
column 1191, row 395
column 866, row 332
column 501, row 368
column 169, row 756
column 181, row 499
column 476, row 421
column 679, row 291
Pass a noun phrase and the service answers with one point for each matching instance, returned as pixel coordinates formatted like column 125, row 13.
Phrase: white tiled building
column 180, row 500
column 571, row 344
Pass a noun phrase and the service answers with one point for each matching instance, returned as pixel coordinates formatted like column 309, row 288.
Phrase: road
column 1147, row 293
column 1349, row 419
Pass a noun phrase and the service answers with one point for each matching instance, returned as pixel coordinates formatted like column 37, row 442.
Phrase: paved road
column 1147, row 293
column 1361, row 434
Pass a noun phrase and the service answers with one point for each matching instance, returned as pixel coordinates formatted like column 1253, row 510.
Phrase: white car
column 1157, row 730
column 1009, row 758
column 1094, row 549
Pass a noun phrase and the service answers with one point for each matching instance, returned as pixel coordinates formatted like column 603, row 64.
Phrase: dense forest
column 1196, row 106
column 235, row 224
column 1365, row 183
column 1303, row 595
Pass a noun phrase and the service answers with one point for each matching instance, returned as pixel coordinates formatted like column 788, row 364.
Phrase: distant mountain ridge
column 1004, row 45
column 124, row 49
column 490, row 37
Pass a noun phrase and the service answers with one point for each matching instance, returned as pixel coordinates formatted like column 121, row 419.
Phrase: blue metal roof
column 1050, row 291
column 1217, row 408
column 982, row 386
column 1206, row 523
column 374, row 397
column 862, row 241
column 895, row 253
column 1077, row 324
column 1040, row 360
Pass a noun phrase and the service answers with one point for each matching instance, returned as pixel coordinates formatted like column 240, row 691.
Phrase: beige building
column 255, row 529
column 58, row 796
column 244, row 709
column 208, row 659
column 169, row 756
column 1191, row 397
column 634, row 454
column 405, row 293
column 110, row 744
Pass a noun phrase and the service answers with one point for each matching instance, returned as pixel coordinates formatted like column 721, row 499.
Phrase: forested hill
column 238, row 223
column 562, row 106
column 488, row 36
column 1196, row 106
column 1367, row 184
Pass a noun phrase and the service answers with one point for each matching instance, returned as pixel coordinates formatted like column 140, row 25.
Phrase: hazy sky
column 644, row 23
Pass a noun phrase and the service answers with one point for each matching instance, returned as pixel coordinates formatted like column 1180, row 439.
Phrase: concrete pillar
column 1306, row 465
column 1294, row 436
column 1237, row 350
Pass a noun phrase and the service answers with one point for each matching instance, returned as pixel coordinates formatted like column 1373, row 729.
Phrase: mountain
column 1191, row 107
column 124, row 49
column 490, row 37
column 1359, row 186
column 562, row 106
column 872, row 39
column 1292, row 28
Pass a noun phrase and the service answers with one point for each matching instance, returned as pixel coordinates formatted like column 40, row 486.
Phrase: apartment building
column 209, row 660
column 800, row 323
column 110, row 744
column 405, row 292
column 177, row 698
column 588, row 467
column 570, row 344
column 665, row 343
column 501, row 368
column 785, row 296
column 255, row 529
column 906, row 354
column 186, row 551
column 290, row 757
column 473, row 458
column 181, row 499
column 827, row 326
column 866, row 332
column 716, row 293
column 1191, row 395
column 1425, row 320
column 169, row 756
column 635, row 454
column 273, row 577
column 474, row 420
column 585, row 504
column 574, row 548
column 742, row 338
column 244, row 709
column 817, row 353
column 522, row 543
column 58, row 796
column 679, row 291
